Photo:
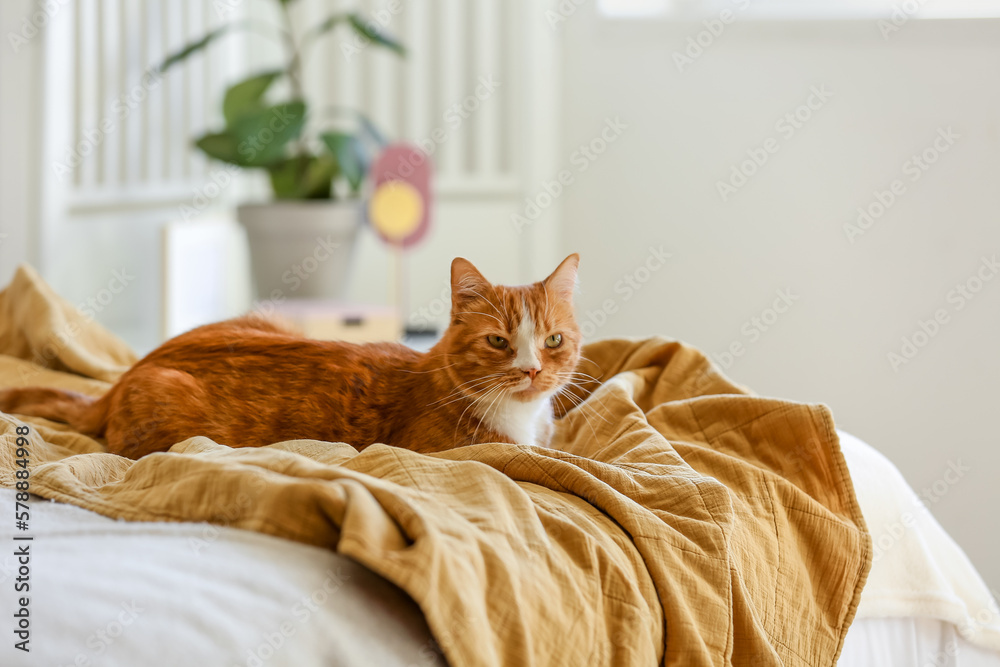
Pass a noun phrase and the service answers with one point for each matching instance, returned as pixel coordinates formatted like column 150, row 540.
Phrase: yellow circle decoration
column 396, row 209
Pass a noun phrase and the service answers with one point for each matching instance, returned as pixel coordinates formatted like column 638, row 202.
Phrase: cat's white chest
column 521, row 421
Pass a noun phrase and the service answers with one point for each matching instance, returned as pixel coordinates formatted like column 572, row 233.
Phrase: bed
column 697, row 524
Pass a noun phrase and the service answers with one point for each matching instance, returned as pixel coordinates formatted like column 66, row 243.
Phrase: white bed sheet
column 911, row 642
column 122, row 594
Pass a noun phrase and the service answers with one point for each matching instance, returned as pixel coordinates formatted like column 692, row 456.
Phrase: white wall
column 784, row 229
column 19, row 98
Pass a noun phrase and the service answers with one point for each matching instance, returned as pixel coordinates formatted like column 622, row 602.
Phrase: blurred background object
column 805, row 190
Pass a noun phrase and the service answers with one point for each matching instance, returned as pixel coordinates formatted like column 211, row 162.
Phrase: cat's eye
column 498, row 342
column 555, row 340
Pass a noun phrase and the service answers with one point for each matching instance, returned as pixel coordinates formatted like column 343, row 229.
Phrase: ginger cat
column 250, row 382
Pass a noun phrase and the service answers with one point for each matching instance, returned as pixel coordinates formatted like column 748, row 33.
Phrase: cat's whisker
column 574, row 399
column 594, row 411
column 502, row 305
column 467, row 385
column 467, row 408
column 588, row 404
column 581, row 402
column 584, row 375
column 454, row 397
column 433, row 370
column 590, row 361
column 585, row 389
column 579, row 373
column 476, row 312
column 582, row 413
column 485, row 416
column 566, row 388
column 582, row 384
column 469, row 289
column 473, row 387
column 585, row 386
column 479, row 379
column 498, row 385
column 461, row 395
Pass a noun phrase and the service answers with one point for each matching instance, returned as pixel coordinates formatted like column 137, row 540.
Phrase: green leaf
column 350, row 154
column 222, row 146
column 370, row 31
column 367, row 126
column 263, row 134
column 373, row 32
column 303, row 177
column 245, row 96
column 327, row 25
column 191, row 48
column 372, row 131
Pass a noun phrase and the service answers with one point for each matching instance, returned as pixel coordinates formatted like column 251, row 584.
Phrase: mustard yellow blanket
column 683, row 522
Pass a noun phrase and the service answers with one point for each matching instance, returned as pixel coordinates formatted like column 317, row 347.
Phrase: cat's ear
column 562, row 282
column 466, row 280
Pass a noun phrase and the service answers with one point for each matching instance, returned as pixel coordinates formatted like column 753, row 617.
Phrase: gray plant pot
column 301, row 249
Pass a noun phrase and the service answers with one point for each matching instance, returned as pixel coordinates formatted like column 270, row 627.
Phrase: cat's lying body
column 249, row 382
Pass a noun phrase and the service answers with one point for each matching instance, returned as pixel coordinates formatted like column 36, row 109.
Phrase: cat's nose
column 532, row 372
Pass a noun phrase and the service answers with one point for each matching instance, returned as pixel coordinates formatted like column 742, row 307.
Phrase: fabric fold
column 680, row 520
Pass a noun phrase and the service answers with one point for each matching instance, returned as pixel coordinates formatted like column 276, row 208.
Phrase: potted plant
column 303, row 240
